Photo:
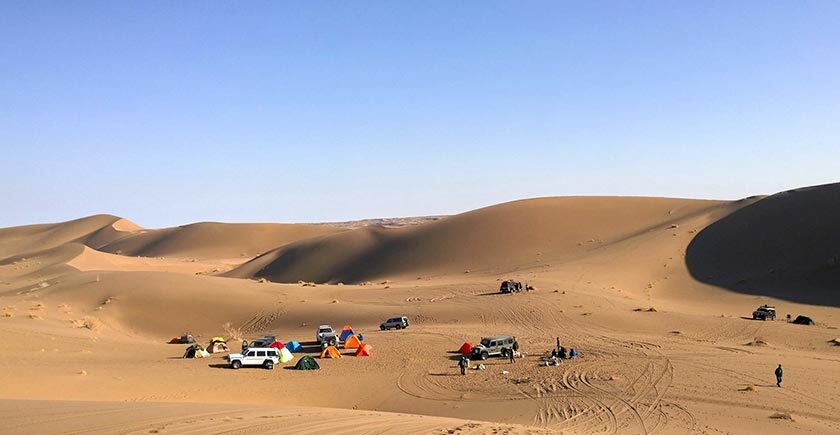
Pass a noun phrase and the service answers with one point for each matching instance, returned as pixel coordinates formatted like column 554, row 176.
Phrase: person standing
column 463, row 363
column 779, row 376
column 558, row 344
column 511, row 356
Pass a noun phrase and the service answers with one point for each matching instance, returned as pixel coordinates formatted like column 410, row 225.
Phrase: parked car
column 263, row 342
column 394, row 323
column 765, row 312
column 257, row 356
column 510, row 287
column 326, row 336
column 499, row 345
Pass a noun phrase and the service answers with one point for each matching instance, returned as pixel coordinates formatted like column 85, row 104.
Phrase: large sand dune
column 786, row 245
column 655, row 293
column 493, row 240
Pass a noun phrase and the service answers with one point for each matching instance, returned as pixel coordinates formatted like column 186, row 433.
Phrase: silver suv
column 499, row 345
column 395, row 323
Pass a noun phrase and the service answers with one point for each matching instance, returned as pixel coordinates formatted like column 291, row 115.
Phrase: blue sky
column 174, row 112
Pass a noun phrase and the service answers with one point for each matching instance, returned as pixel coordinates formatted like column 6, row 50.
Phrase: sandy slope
column 496, row 239
column 80, row 324
column 143, row 418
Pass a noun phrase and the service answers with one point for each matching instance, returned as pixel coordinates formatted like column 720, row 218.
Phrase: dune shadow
column 446, row 374
column 783, row 246
column 494, row 294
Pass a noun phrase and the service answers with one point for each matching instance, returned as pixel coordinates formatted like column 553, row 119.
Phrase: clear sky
column 174, row 112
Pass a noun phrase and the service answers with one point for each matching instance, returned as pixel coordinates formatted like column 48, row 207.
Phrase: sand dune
column 786, row 245
column 493, row 240
column 665, row 348
column 119, row 236
column 213, row 240
column 21, row 417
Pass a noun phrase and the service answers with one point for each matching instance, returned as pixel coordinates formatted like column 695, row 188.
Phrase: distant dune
column 495, row 239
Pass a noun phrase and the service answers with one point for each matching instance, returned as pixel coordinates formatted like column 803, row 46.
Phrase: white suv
column 257, row 356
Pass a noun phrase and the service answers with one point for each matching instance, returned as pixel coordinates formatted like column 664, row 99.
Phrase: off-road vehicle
column 326, row 336
column 510, row 287
column 499, row 345
column 765, row 312
column 262, row 342
column 394, row 323
column 258, row 356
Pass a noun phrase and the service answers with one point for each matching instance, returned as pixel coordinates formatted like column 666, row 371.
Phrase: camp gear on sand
column 364, row 350
column 285, row 355
column 352, row 342
column 330, row 352
column 307, row 363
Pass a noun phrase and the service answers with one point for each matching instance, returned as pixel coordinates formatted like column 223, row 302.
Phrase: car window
column 485, row 342
column 261, row 353
column 249, row 353
column 272, row 353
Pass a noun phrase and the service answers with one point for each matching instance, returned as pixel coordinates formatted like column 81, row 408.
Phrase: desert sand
column 656, row 294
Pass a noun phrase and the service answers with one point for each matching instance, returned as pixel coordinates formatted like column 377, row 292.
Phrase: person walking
column 779, row 376
column 463, row 364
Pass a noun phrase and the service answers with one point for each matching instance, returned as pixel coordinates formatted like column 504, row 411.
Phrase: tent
column 195, row 351
column 277, row 345
column 352, row 343
column 346, row 332
column 307, row 363
column 466, row 348
column 184, row 339
column 218, row 339
column 331, row 352
column 285, row 355
column 217, row 346
column 803, row 320
column 294, row 346
column 364, row 350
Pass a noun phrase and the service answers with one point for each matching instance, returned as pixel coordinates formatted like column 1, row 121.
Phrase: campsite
column 419, row 218
column 698, row 358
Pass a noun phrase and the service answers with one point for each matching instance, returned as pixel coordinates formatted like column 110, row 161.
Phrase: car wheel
column 333, row 342
column 236, row 364
column 269, row 365
column 504, row 353
column 381, row 327
column 399, row 326
column 484, row 355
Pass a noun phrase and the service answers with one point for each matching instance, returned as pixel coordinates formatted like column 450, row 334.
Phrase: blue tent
column 345, row 334
column 294, row 346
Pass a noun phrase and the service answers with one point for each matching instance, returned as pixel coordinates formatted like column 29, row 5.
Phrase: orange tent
column 363, row 350
column 352, row 342
column 330, row 352
column 466, row 348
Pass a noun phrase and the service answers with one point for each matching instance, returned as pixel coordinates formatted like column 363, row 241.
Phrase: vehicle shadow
column 219, row 366
column 493, row 294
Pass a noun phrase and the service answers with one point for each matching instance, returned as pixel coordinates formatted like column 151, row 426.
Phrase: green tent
column 307, row 363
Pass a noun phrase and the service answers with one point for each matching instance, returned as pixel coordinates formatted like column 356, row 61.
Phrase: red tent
column 466, row 348
column 277, row 344
column 364, row 350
